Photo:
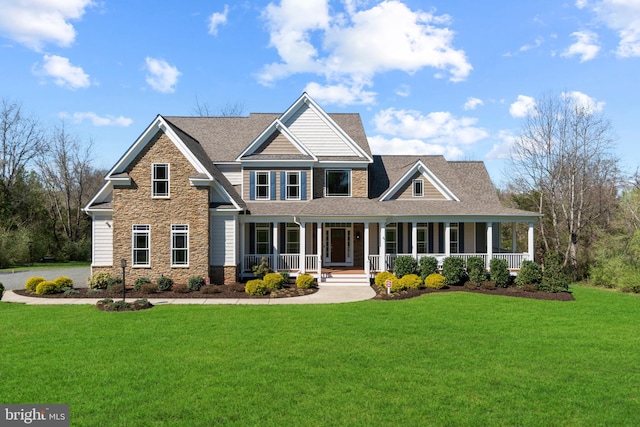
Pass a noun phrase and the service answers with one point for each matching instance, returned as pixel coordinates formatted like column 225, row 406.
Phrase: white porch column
column 302, row 263
column 242, row 251
column 367, row 266
column 319, row 249
column 514, row 238
column 276, row 235
column 530, row 245
column 383, row 250
column 447, row 239
column 489, row 242
column 414, row 240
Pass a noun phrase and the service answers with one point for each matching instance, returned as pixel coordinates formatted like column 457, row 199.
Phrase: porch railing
column 284, row 262
column 514, row 260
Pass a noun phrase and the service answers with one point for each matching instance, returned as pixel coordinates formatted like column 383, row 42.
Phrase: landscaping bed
column 511, row 291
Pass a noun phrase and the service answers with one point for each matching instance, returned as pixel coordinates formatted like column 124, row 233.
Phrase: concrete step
column 333, row 279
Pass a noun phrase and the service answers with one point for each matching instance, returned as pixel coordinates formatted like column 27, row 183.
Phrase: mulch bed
column 510, row 292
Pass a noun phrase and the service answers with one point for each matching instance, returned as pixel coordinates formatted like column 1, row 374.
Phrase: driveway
column 16, row 280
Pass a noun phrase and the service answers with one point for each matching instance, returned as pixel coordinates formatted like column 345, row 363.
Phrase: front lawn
column 440, row 359
column 45, row 266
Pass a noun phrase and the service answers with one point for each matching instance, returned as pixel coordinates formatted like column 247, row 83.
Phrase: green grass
column 456, row 359
column 46, row 266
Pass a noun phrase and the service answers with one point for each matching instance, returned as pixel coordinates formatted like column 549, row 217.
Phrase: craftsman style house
column 212, row 196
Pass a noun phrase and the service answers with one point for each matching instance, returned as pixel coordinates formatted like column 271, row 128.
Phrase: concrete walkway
column 325, row 295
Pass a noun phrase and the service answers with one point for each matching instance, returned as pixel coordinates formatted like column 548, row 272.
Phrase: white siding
column 232, row 172
column 316, row 135
column 102, row 240
column 223, row 239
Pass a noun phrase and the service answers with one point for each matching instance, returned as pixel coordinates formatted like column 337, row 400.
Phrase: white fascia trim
column 271, row 163
column 276, row 125
column 424, row 170
column 101, row 195
column 120, row 180
column 342, row 163
column 200, row 182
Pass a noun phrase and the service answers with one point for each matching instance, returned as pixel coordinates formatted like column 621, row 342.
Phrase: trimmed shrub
column 453, row 270
column 148, row 288
column 404, row 265
column 490, row 286
column 210, row 289
column 553, row 278
column 476, row 270
column 181, row 288
column 47, row 287
column 304, row 281
column 499, row 272
column 101, row 280
column 94, row 291
column 256, row 287
column 164, row 283
column 530, row 274
column 428, row 265
column 411, row 281
column 1, row 290
column 273, row 281
column 33, row 282
column 435, row 281
column 115, row 289
column 262, row 269
column 470, row 285
column 285, row 276
column 397, row 285
column 71, row 291
column 63, row 282
column 137, row 284
column 382, row 277
column 530, row 288
column 195, row 283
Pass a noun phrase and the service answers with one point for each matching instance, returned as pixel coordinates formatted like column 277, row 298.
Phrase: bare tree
column 564, row 159
column 203, row 109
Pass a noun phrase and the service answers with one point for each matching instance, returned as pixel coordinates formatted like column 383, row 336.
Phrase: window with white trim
column 160, row 180
column 293, row 185
column 292, row 239
column 263, row 238
column 422, row 236
column 391, row 239
column 418, row 188
column 262, row 186
column 453, row 235
column 141, row 245
column 180, row 245
column 338, row 182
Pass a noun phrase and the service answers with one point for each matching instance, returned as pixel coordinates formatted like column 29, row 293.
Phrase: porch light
column 357, row 235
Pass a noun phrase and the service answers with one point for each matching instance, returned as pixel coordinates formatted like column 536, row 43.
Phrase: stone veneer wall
column 187, row 205
column 359, row 182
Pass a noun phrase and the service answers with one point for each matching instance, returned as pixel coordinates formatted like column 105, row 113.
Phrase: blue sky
column 431, row 77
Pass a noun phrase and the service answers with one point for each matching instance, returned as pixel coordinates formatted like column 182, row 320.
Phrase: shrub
column 553, row 278
column 148, row 288
column 101, row 280
column 210, row 289
column 137, row 284
column 47, row 287
column 530, row 274
column 32, row 282
column 428, row 265
column 404, row 265
column 260, row 270
column 71, row 291
column 397, row 285
column 94, row 291
column 410, row 281
column 491, row 286
column 476, row 270
column 115, row 289
column 499, row 272
column 181, row 288
column 435, row 281
column 164, row 283
column 285, row 276
column 195, row 283
column 63, row 282
column 453, row 270
column 273, row 281
column 530, row 288
column 382, row 277
column 1, row 290
column 256, row 287
column 304, row 281
column 470, row 285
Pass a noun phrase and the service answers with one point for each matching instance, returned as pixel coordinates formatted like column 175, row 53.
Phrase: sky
column 453, row 78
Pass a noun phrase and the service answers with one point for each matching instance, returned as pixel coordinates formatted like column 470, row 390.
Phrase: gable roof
column 418, row 168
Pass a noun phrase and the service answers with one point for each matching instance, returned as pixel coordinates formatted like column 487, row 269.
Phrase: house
column 211, row 196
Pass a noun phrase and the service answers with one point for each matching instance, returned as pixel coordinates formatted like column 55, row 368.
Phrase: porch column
column 383, row 250
column 414, row 240
column 514, row 238
column 242, row 251
column 319, row 249
column 530, row 245
column 489, row 242
column 447, row 239
column 276, row 235
column 367, row 267
column 302, row 262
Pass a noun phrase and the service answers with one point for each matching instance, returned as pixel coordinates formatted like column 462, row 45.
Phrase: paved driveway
column 79, row 275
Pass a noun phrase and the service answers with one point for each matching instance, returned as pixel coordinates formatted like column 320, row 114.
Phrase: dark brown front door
column 338, row 245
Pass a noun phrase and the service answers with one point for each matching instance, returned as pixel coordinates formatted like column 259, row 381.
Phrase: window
column 263, row 239
column 262, row 185
column 292, row 237
column 422, row 231
column 141, row 245
column 453, row 233
column 338, row 182
column 418, row 188
column 293, row 185
column 391, row 239
column 160, row 180
column 179, row 245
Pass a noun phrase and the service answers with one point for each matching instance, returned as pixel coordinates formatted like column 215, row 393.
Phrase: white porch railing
column 288, row 262
column 514, row 260
column 311, row 263
column 285, row 262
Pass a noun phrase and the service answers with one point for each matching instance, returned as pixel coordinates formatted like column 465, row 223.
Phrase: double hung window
column 179, row 245
column 262, row 186
column 160, row 180
column 293, row 185
column 141, row 245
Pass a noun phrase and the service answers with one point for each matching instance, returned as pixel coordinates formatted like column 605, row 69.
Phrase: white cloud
column 584, row 100
column 437, row 127
column 536, row 43
column 162, row 77
column 217, row 19
column 502, row 149
column 622, row 16
column 403, row 91
column 96, row 120
column 381, row 145
column 356, row 45
column 586, row 46
column 340, row 94
column 34, row 23
column 472, row 103
column 63, row 72
column 522, row 106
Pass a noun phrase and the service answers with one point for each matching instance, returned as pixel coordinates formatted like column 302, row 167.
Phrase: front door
column 338, row 246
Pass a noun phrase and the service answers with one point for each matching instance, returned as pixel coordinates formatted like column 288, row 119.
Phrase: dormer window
column 418, row 188
column 262, row 186
column 160, row 180
column 338, row 182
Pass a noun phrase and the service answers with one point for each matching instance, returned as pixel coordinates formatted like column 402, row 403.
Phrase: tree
column 203, row 109
column 563, row 158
